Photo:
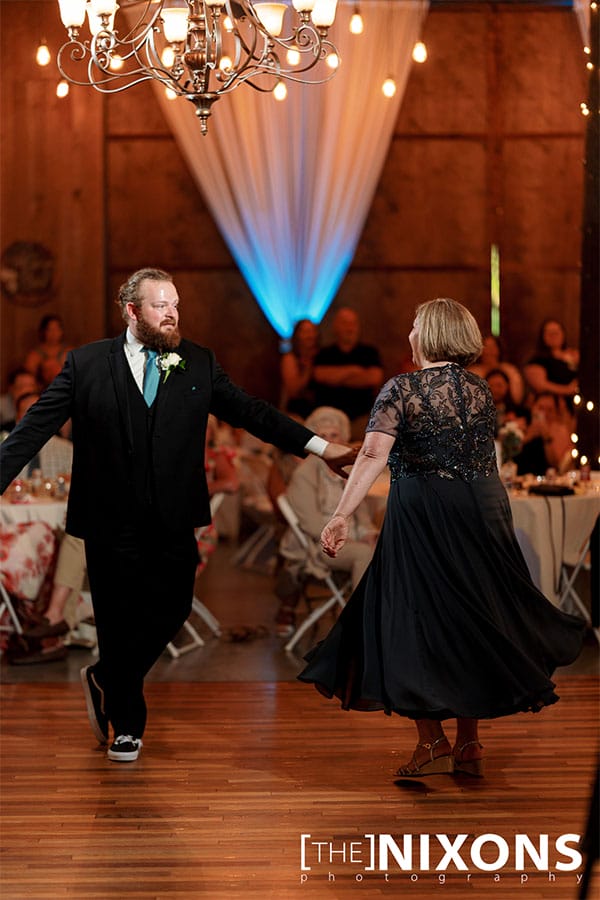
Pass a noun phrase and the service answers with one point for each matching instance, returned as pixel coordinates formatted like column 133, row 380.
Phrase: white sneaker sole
column 117, row 756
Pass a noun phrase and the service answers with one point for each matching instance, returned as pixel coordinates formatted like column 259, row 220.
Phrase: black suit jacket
column 92, row 391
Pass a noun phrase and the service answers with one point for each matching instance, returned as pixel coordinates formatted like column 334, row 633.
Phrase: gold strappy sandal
column 436, row 765
column 473, row 767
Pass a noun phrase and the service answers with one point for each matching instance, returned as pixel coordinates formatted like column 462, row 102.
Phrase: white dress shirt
column 135, row 356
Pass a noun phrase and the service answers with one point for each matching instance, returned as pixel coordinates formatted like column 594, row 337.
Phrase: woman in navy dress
column 446, row 622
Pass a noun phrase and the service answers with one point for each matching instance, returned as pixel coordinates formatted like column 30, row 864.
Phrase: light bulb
column 419, row 53
column 293, row 56
column 228, row 24
column 280, row 91
column 587, row 50
column 583, row 460
column 356, row 22
column 577, row 399
column 42, row 56
column 116, row 63
column 170, row 93
column 388, row 87
column 574, row 452
column 62, row 88
column 225, row 64
column 333, row 60
column 589, row 405
column 167, row 57
column 574, row 437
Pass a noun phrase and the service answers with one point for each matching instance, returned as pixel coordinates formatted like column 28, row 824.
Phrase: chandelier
column 199, row 49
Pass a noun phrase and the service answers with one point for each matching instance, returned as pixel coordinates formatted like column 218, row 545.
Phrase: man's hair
column 129, row 291
column 448, row 331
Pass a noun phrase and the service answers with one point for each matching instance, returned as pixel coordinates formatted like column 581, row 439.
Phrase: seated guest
column 314, row 492
column 347, row 373
column 492, row 358
column 47, row 359
column 20, row 382
column 506, row 409
column 60, row 617
column 547, row 442
column 56, row 456
column 296, row 369
column 553, row 368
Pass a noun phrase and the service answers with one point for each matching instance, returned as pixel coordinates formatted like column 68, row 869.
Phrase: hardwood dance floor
column 236, row 769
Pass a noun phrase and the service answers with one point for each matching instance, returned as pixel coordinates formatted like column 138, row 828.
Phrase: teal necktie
column 151, row 376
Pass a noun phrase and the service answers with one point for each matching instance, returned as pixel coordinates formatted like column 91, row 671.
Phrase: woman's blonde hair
column 447, row 330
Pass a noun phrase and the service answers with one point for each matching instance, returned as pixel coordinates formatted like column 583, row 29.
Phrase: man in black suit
column 139, row 405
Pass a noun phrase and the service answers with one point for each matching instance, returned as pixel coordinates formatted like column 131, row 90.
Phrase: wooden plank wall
column 487, row 149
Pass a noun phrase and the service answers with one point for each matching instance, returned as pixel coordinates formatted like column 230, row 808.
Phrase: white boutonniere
column 167, row 362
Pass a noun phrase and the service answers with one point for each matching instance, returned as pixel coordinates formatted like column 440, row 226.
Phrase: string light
column 589, row 406
column 42, row 56
column 356, row 22
column 333, row 60
column 280, row 91
column 167, row 57
column 419, row 53
column 293, row 56
column 116, row 63
column 62, row 89
column 388, row 87
column 574, row 437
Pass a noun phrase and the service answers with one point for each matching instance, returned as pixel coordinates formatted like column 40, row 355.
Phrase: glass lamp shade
column 323, row 13
column 270, row 16
column 103, row 7
column 175, row 23
column 303, row 5
column 72, row 13
column 215, row 3
column 95, row 22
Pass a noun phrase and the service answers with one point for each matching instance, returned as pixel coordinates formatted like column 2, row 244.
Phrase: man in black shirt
column 348, row 373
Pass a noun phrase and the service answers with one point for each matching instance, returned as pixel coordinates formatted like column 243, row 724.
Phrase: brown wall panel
column 447, row 94
column 156, row 214
column 541, row 63
column 419, row 216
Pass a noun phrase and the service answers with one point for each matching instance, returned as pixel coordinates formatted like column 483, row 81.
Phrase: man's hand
column 339, row 455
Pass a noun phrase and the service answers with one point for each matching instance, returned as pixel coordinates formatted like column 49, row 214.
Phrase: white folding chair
column 569, row 598
column 199, row 608
column 337, row 597
column 6, row 606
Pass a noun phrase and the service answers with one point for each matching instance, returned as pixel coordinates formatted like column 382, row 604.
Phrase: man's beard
column 155, row 339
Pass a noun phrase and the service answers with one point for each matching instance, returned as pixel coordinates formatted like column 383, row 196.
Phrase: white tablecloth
column 54, row 512
column 552, row 531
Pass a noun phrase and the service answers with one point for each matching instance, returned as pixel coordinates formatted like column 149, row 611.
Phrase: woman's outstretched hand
column 334, row 535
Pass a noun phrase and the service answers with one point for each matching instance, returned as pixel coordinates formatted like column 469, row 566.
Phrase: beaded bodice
column 442, row 419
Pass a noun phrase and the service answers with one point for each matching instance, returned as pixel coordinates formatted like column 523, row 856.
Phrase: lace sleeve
column 387, row 414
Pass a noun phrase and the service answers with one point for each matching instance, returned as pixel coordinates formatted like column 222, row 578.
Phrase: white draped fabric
column 582, row 9
column 290, row 183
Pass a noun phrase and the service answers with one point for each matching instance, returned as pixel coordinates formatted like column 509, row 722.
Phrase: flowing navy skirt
column 446, row 621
